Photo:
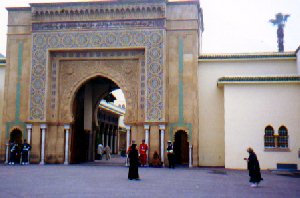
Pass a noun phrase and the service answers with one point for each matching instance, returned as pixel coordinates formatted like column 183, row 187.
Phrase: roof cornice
column 291, row 79
column 247, row 56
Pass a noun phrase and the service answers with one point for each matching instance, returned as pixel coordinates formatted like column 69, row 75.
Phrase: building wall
column 248, row 110
column 18, row 63
column 181, row 57
column 211, row 100
column 2, row 77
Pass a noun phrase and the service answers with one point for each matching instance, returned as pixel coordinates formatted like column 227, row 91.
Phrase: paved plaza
column 105, row 180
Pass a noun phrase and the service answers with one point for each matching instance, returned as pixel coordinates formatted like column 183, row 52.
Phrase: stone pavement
column 111, row 182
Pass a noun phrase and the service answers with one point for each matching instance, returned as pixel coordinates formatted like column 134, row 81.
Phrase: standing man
column 170, row 154
column 13, row 152
column 24, row 152
column 143, row 153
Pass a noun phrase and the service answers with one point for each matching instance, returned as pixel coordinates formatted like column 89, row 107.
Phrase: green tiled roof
column 259, row 79
column 273, row 55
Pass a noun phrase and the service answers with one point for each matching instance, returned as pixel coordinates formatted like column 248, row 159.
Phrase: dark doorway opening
column 16, row 136
column 181, row 148
column 84, row 140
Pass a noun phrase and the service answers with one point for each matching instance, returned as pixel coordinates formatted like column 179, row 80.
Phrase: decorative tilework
column 97, row 54
column 151, row 40
column 100, row 25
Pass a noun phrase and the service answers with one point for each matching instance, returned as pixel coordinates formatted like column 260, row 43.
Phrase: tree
column 280, row 20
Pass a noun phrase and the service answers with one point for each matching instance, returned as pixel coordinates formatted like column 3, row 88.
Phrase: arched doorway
column 16, row 136
column 87, row 131
column 181, row 147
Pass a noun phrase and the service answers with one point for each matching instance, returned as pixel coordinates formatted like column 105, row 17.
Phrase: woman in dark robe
column 254, row 169
column 133, row 156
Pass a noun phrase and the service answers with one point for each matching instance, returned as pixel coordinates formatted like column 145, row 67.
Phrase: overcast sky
column 230, row 26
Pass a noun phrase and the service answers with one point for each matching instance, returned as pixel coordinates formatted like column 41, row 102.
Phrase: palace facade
column 63, row 58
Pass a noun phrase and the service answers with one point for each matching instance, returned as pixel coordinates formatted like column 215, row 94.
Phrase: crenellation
column 99, row 12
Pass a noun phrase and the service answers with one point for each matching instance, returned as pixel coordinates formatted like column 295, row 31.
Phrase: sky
column 230, row 26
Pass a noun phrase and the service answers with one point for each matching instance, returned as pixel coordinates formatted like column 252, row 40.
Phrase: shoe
column 23, row 163
column 9, row 163
column 12, row 163
column 253, row 185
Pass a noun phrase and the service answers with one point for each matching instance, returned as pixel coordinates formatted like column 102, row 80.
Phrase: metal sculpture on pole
column 280, row 20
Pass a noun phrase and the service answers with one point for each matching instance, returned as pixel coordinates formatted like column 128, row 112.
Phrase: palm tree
column 280, row 20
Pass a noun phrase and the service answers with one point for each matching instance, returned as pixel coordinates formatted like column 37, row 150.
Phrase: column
column 162, row 141
column 6, row 153
column 67, row 129
column 107, row 135
column 102, row 133
column 29, row 130
column 43, row 127
column 190, row 155
column 115, row 141
column 127, row 142
column 146, row 128
column 111, row 137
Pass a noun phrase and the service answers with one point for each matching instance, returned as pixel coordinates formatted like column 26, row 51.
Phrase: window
column 269, row 137
column 282, row 137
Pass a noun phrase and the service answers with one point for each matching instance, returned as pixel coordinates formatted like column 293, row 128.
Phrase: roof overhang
column 247, row 56
column 258, row 80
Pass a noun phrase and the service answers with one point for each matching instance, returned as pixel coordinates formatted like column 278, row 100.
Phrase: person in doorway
column 143, row 153
column 24, row 152
column 254, row 168
column 13, row 152
column 170, row 154
column 100, row 151
column 133, row 156
column 107, row 152
column 156, row 162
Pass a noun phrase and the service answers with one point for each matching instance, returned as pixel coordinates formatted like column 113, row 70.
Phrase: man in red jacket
column 143, row 153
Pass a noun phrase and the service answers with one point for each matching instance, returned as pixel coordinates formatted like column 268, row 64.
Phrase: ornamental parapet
column 110, row 10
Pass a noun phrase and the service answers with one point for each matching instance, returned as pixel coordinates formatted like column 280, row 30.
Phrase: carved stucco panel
column 73, row 74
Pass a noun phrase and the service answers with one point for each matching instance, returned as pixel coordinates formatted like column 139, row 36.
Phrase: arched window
column 269, row 137
column 283, row 137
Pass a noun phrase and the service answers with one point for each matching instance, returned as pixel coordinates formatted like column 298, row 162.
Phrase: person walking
column 100, row 151
column 254, row 168
column 133, row 172
column 24, row 152
column 143, row 153
column 170, row 154
column 107, row 152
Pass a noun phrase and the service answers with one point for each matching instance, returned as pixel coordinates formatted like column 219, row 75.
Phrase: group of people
column 138, row 156
column 19, row 153
column 134, row 159
column 101, row 151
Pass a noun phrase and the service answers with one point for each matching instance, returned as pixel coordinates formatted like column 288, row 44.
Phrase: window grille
column 269, row 137
column 283, row 137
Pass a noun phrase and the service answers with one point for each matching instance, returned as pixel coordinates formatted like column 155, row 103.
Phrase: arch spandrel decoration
column 151, row 40
column 126, row 77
